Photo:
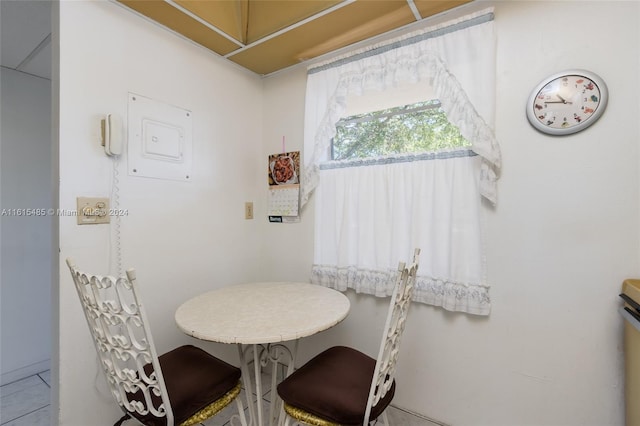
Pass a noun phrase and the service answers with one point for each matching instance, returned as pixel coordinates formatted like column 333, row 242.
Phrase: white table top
column 262, row 312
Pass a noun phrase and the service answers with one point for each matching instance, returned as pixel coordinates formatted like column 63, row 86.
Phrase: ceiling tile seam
column 26, row 73
column 289, row 28
column 396, row 32
column 205, row 23
column 414, row 9
column 34, row 52
column 182, row 37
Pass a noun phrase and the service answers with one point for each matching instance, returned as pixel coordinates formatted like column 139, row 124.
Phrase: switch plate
column 248, row 210
column 92, row 210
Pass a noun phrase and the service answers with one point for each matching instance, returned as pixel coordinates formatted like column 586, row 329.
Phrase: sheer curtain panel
column 370, row 215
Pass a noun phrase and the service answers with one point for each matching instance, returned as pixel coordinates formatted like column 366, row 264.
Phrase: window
column 419, row 127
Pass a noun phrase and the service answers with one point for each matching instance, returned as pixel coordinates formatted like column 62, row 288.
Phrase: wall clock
column 567, row 102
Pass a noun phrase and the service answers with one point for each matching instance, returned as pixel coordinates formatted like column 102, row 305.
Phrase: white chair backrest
column 385, row 370
column 122, row 338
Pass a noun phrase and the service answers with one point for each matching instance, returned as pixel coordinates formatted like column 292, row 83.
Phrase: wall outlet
column 92, row 210
column 248, row 210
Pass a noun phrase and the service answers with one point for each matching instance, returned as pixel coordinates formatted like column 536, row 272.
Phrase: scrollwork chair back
column 123, row 341
column 201, row 383
column 343, row 386
column 385, row 371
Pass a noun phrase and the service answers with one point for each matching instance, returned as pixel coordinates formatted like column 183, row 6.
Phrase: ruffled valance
column 413, row 59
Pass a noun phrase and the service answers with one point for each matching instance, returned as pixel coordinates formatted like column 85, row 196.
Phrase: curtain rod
column 473, row 21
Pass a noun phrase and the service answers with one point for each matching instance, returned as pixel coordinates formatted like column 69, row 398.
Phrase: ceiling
column 265, row 36
column 25, row 36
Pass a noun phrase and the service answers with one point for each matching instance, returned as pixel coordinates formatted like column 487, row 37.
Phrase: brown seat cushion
column 335, row 386
column 194, row 379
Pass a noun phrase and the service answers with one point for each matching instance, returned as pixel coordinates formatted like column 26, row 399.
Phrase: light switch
column 248, row 210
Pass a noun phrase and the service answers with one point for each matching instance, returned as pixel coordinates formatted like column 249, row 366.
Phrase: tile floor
column 26, row 403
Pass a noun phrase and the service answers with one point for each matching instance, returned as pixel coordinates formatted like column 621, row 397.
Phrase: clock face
column 567, row 102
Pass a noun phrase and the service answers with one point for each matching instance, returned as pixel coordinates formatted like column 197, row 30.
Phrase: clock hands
column 561, row 101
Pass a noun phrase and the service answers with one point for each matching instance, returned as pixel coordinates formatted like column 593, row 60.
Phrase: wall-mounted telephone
column 112, row 135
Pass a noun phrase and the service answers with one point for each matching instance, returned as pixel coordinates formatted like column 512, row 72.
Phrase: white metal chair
column 182, row 387
column 343, row 386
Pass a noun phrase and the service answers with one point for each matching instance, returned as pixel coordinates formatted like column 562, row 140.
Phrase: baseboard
column 21, row 373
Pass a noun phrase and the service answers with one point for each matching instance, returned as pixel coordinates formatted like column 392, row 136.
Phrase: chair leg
column 243, row 419
column 385, row 419
column 282, row 417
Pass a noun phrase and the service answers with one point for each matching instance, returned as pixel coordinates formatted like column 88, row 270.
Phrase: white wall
column 561, row 240
column 564, row 234
column 183, row 238
column 26, row 240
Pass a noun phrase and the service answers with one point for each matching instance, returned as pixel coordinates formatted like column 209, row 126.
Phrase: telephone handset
column 112, row 135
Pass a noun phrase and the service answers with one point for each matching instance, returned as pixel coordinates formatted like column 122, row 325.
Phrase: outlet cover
column 92, row 210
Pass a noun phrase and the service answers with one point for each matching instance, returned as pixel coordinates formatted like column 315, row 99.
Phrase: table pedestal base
column 262, row 355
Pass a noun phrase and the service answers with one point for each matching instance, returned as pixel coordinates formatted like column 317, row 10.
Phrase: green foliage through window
column 421, row 127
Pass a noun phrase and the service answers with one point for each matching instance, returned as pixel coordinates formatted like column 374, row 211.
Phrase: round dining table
column 259, row 318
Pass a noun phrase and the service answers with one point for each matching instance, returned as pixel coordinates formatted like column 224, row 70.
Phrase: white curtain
column 370, row 216
column 457, row 59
